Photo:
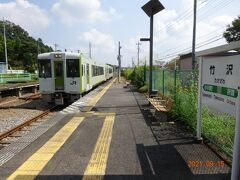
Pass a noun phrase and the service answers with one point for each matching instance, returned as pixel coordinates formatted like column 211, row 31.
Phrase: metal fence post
column 163, row 83
column 145, row 73
column 236, row 147
column 199, row 111
column 175, row 84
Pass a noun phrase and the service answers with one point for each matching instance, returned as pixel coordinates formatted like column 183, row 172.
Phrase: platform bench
column 161, row 103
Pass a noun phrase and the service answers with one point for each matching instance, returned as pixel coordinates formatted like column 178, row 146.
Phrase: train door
column 88, row 78
column 59, row 75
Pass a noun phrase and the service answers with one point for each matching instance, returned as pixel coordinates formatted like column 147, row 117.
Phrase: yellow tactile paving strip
column 100, row 94
column 97, row 165
column 35, row 164
column 32, row 167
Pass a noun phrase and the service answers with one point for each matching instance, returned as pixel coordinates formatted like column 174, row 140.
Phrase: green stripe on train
column 81, row 71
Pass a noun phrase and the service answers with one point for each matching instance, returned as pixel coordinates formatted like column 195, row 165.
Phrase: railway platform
column 109, row 134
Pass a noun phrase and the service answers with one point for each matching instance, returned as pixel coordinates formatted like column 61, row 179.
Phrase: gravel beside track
column 19, row 112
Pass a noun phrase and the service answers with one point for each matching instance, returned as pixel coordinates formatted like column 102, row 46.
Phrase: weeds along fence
column 12, row 78
column 182, row 86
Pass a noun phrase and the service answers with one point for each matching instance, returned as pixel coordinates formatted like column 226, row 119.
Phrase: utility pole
column 119, row 61
column 90, row 50
column 55, row 47
column 132, row 63
column 138, row 44
column 38, row 48
column 194, row 34
column 5, row 43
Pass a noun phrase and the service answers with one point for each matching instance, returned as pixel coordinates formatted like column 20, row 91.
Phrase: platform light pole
column 151, row 8
column 138, row 47
column 119, row 61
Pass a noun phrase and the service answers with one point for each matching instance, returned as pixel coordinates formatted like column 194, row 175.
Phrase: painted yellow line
column 97, row 165
column 32, row 167
column 35, row 164
column 94, row 113
column 94, row 101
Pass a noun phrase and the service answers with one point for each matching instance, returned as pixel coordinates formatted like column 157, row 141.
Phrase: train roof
column 49, row 55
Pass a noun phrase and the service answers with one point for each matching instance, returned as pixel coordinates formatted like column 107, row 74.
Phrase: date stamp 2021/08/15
column 209, row 163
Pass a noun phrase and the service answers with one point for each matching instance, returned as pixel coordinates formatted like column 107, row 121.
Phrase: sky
column 72, row 24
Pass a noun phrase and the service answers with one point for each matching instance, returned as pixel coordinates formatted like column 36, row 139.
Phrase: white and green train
column 64, row 77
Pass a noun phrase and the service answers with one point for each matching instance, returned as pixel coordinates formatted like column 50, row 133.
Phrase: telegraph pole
column 119, row 61
column 138, row 44
column 194, row 34
column 90, row 50
column 132, row 62
column 5, row 43
column 55, row 47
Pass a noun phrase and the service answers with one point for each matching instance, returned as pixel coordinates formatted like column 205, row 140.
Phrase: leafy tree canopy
column 22, row 49
column 232, row 32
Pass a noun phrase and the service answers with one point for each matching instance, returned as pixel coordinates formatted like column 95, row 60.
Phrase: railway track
column 4, row 105
column 26, row 123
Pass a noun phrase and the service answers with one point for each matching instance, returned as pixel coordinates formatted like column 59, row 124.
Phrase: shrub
column 217, row 127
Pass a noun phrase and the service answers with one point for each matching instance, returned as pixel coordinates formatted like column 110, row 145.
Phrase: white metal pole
column 236, row 149
column 5, row 43
column 199, row 112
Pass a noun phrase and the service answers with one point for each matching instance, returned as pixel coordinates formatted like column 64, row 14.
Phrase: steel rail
column 27, row 123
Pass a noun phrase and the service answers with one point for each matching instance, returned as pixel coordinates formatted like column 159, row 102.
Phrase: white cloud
column 173, row 32
column 101, row 42
column 221, row 20
column 72, row 11
column 30, row 16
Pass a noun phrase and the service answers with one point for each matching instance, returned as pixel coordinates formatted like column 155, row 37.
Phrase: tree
column 232, row 32
column 22, row 48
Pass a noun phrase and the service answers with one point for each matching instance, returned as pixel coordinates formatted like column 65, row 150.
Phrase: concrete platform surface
column 113, row 137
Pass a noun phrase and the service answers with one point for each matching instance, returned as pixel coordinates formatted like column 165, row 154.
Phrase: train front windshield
column 73, row 68
column 44, row 67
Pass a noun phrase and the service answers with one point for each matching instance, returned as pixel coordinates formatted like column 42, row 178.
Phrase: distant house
column 3, row 68
column 186, row 61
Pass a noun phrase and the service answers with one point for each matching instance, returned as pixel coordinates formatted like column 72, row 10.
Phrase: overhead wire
column 199, row 45
column 221, row 4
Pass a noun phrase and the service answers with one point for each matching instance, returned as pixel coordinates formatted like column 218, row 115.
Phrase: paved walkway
column 113, row 137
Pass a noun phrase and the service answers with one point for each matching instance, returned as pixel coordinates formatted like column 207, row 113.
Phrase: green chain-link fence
column 182, row 86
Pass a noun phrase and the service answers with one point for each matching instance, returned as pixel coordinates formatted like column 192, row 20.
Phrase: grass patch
column 217, row 127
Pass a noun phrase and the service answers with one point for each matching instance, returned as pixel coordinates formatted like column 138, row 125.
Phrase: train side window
column 44, row 68
column 73, row 68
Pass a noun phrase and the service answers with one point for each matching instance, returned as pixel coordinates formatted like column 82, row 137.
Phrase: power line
column 199, row 45
column 214, row 6
column 188, row 42
column 209, row 12
column 187, row 14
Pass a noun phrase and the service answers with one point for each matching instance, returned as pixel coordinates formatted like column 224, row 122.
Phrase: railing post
column 175, row 84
